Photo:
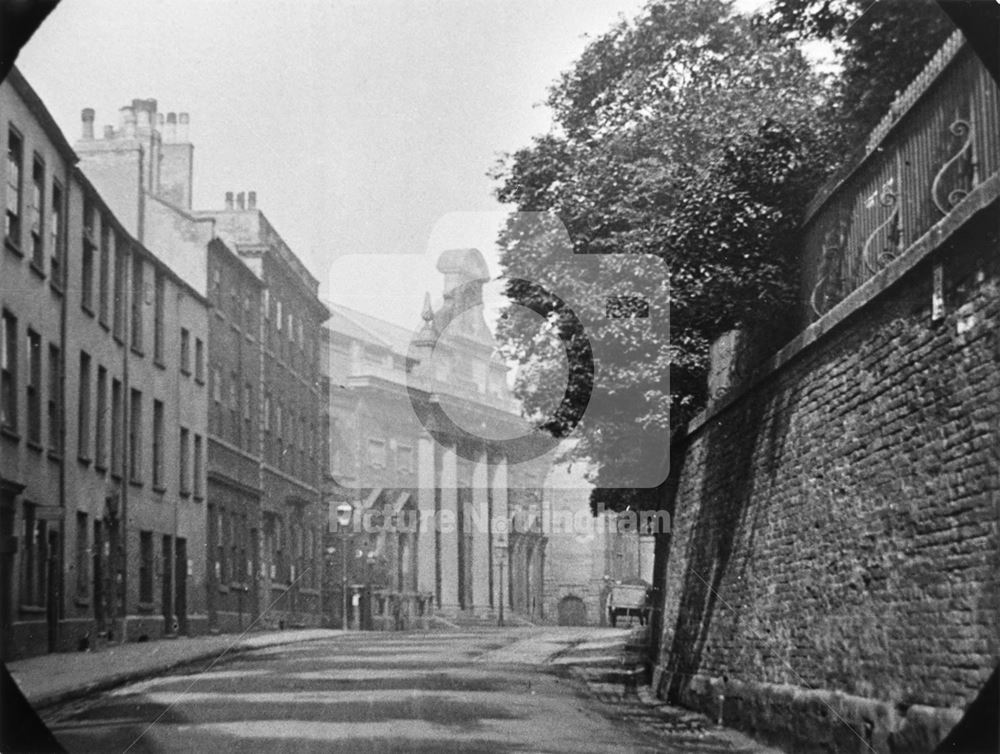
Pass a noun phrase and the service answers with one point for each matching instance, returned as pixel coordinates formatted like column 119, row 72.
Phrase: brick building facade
column 102, row 515
column 266, row 405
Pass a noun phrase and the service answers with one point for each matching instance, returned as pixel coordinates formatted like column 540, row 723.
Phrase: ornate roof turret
column 427, row 336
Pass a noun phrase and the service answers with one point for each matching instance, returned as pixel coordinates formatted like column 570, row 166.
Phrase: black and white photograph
column 500, row 376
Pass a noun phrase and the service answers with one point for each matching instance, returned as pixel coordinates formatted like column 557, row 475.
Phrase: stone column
column 426, row 536
column 448, row 483
column 478, row 524
column 501, row 539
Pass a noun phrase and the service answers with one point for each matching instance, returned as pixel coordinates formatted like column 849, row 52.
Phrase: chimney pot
column 229, row 200
column 159, row 120
column 109, row 132
column 170, row 133
column 182, row 127
column 240, row 204
column 87, row 116
column 252, row 200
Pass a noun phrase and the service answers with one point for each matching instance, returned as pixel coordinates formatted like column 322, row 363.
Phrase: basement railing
column 937, row 143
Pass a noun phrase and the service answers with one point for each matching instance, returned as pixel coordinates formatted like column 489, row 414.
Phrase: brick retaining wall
column 833, row 571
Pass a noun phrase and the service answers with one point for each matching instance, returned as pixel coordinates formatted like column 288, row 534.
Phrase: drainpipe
column 174, row 619
column 61, row 419
column 128, row 286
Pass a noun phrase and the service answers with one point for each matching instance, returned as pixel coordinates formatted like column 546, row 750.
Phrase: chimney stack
column 127, row 122
column 239, row 201
column 145, row 111
column 252, row 200
column 170, row 133
column 229, row 200
column 87, row 116
column 182, row 128
column 109, row 132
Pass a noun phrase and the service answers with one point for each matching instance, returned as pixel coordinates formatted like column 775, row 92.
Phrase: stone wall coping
column 981, row 197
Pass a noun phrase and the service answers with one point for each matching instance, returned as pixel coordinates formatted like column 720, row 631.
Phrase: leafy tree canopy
column 882, row 46
column 689, row 133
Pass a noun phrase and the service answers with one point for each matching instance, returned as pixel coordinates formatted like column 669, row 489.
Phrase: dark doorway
column 252, row 576
column 180, row 581
column 52, row 582
column 572, row 611
column 167, row 585
column 98, row 571
column 8, row 547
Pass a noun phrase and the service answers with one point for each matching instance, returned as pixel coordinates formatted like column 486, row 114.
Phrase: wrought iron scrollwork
column 875, row 261
column 960, row 128
column 833, row 250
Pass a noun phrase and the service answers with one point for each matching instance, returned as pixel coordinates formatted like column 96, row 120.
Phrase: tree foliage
column 687, row 133
column 882, row 46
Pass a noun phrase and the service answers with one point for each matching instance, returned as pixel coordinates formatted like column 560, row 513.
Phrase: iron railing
column 936, row 144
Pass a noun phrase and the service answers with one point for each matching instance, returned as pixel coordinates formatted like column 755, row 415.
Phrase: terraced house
column 260, row 364
column 103, row 439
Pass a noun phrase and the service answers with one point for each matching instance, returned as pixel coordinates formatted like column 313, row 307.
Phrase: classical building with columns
column 418, row 423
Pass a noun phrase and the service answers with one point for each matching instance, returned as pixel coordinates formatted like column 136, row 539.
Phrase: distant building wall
column 586, row 555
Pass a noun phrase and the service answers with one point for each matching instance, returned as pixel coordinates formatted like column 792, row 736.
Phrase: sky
column 366, row 128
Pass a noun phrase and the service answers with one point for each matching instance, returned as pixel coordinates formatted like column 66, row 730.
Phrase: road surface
column 459, row 691
column 476, row 690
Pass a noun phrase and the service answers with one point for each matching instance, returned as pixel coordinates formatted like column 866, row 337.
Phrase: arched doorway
column 572, row 611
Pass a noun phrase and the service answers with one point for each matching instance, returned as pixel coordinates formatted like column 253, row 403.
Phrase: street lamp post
column 344, row 512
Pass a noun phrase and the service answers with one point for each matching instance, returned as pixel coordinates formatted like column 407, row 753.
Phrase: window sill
column 101, row 467
column 185, row 494
column 200, row 381
column 185, row 372
column 37, row 270
column 11, row 246
column 87, row 310
column 136, row 482
column 103, row 322
column 223, row 589
column 159, row 363
column 119, row 339
column 239, row 586
column 10, row 433
column 56, row 286
column 81, row 601
column 85, row 460
column 308, row 590
column 55, row 455
column 116, row 475
column 199, row 498
column 137, row 350
column 32, row 609
column 146, row 607
column 159, row 489
column 35, row 446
